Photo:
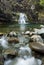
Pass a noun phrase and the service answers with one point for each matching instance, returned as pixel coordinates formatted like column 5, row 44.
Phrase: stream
column 24, row 51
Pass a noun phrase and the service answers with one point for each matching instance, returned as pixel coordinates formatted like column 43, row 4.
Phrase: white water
column 23, row 58
column 22, row 21
column 28, row 61
column 3, row 42
column 39, row 31
column 7, row 62
column 37, row 38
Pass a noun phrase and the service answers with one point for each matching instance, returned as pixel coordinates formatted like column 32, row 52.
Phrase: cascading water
column 22, row 21
column 24, row 53
column 3, row 42
column 22, row 18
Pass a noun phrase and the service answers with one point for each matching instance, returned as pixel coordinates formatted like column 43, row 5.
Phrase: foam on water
column 7, row 62
column 22, row 60
column 29, row 61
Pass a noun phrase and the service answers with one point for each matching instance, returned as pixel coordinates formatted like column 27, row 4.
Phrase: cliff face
column 10, row 6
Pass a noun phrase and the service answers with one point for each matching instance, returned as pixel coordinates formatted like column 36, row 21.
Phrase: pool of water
column 16, row 27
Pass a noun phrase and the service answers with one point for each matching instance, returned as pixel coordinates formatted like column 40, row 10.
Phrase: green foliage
column 42, row 2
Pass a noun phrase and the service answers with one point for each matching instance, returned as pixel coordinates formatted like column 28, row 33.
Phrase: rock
column 40, row 32
column 27, row 32
column 39, row 47
column 13, row 40
column 12, row 34
column 36, row 31
column 37, row 38
column 1, row 34
column 9, row 53
column 42, row 35
column 1, row 60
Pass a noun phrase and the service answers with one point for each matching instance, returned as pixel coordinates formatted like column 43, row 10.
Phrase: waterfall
column 22, row 21
column 22, row 18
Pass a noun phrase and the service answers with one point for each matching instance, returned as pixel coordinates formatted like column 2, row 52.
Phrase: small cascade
column 4, row 42
column 25, row 52
column 7, row 62
column 22, row 18
column 22, row 21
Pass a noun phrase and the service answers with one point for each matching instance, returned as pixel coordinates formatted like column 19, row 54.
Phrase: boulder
column 12, row 34
column 37, row 38
column 9, row 53
column 27, row 32
column 13, row 40
column 39, row 47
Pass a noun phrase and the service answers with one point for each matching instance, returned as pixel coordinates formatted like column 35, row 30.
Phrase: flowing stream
column 25, row 54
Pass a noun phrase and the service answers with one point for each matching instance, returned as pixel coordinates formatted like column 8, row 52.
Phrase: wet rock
column 42, row 26
column 13, row 40
column 9, row 53
column 1, row 60
column 37, row 38
column 27, row 32
column 1, row 34
column 43, row 61
column 42, row 35
column 40, row 32
column 12, row 34
column 39, row 47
